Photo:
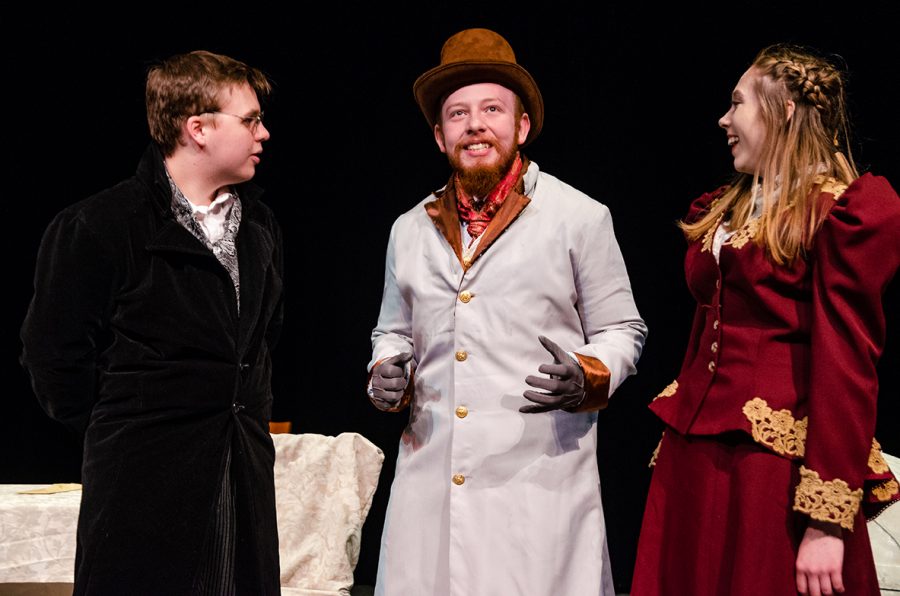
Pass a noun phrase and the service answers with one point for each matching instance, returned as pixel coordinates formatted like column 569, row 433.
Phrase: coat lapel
column 445, row 217
column 442, row 212
column 255, row 248
column 172, row 237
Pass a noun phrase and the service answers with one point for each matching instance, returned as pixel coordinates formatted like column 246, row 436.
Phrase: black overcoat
column 134, row 339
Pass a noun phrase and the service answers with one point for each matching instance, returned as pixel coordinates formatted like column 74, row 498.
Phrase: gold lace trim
column 886, row 490
column 711, row 232
column 776, row 430
column 738, row 238
column 656, row 451
column 876, row 460
column 831, row 185
column 709, row 235
column 744, row 234
column 748, row 231
column 670, row 389
column 828, row 501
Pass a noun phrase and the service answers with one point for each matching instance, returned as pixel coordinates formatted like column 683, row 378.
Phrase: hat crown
column 475, row 56
column 477, row 45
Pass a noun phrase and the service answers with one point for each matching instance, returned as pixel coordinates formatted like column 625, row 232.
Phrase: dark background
column 632, row 99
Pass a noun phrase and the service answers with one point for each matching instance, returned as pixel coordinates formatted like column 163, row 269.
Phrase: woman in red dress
column 768, row 466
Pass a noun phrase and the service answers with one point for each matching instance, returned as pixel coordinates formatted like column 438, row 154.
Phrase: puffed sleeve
column 702, row 204
column 855, row 255
column 66, row 317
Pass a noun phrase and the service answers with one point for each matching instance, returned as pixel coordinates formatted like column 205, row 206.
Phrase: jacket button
column 711, row 366
column 714, row 347
column 236, row 407
column 718, row 284
column 465, row 296
column 462, row 412
column 458, row 479
column 716, row 324
column 461, row 356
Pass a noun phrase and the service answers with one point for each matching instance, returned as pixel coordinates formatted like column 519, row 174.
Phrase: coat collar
column 152, row 172
column 255, row 244
column 445, row 217
column 171, row 235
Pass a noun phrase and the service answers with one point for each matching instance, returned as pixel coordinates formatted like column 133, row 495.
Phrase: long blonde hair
column 812, row 142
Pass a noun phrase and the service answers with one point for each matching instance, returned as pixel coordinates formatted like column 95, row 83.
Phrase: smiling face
column 480, row 131
column 744, row 124
column 235, row 138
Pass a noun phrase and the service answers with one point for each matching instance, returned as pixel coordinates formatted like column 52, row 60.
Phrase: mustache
column 462, row 145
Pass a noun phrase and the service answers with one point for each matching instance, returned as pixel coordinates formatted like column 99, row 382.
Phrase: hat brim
column 442, row 80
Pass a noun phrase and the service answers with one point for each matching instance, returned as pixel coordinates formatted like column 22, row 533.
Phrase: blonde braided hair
column 802, row 142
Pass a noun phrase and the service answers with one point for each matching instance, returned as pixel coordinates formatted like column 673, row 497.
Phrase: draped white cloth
column 323, row 490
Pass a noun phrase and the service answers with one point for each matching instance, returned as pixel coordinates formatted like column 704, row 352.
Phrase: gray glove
column 389, row 380
column 565, row 387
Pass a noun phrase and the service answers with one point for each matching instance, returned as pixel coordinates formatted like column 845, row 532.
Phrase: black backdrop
column 632, row 98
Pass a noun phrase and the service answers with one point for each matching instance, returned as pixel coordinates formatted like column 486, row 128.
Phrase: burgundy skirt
column 719, row 520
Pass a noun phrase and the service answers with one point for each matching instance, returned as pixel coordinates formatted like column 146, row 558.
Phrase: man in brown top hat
column 504, row 273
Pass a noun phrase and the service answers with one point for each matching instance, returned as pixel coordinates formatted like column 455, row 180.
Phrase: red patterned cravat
column 477, row 219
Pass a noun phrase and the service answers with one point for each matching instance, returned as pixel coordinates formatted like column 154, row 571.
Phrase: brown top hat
column 479, row 56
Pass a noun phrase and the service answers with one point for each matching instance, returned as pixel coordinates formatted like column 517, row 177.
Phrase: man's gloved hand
column 565, row 387
column 389, row 380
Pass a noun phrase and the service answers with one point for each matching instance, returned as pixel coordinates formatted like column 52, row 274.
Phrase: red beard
column 478, row 181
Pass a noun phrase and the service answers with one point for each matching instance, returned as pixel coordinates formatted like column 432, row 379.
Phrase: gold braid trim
column 827, row 501
column 656, row 451
column 711, row 232
column 738, row 238
column 670, row 389
column 830, row 185
column 876, row 461
column 776, row 430
column 744, row 234
column 709, row 235
column 885, row 491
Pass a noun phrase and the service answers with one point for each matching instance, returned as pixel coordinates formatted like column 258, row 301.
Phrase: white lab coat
column 527, row 518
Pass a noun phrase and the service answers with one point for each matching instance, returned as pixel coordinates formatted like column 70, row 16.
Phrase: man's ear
column 524, row 127
column 194, row 129
column 439, row 138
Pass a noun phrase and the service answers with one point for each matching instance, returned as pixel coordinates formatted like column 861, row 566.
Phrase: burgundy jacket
column 787, row 354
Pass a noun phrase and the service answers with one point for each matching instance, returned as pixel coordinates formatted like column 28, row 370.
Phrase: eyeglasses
column 251, row 122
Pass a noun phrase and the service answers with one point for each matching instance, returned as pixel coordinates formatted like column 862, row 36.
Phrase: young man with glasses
column 156, row 305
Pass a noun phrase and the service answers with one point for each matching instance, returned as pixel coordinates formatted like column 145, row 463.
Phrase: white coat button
column 461, row 356
column 458, row 479
column 465, row 296
column 462, row 412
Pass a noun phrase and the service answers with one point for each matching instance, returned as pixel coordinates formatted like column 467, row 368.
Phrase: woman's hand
column 820, row 560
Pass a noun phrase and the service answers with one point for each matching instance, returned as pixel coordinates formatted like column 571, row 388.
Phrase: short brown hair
column 189, row 84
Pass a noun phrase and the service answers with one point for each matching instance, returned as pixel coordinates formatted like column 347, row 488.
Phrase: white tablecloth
column 37, row 535
column 323, row 490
